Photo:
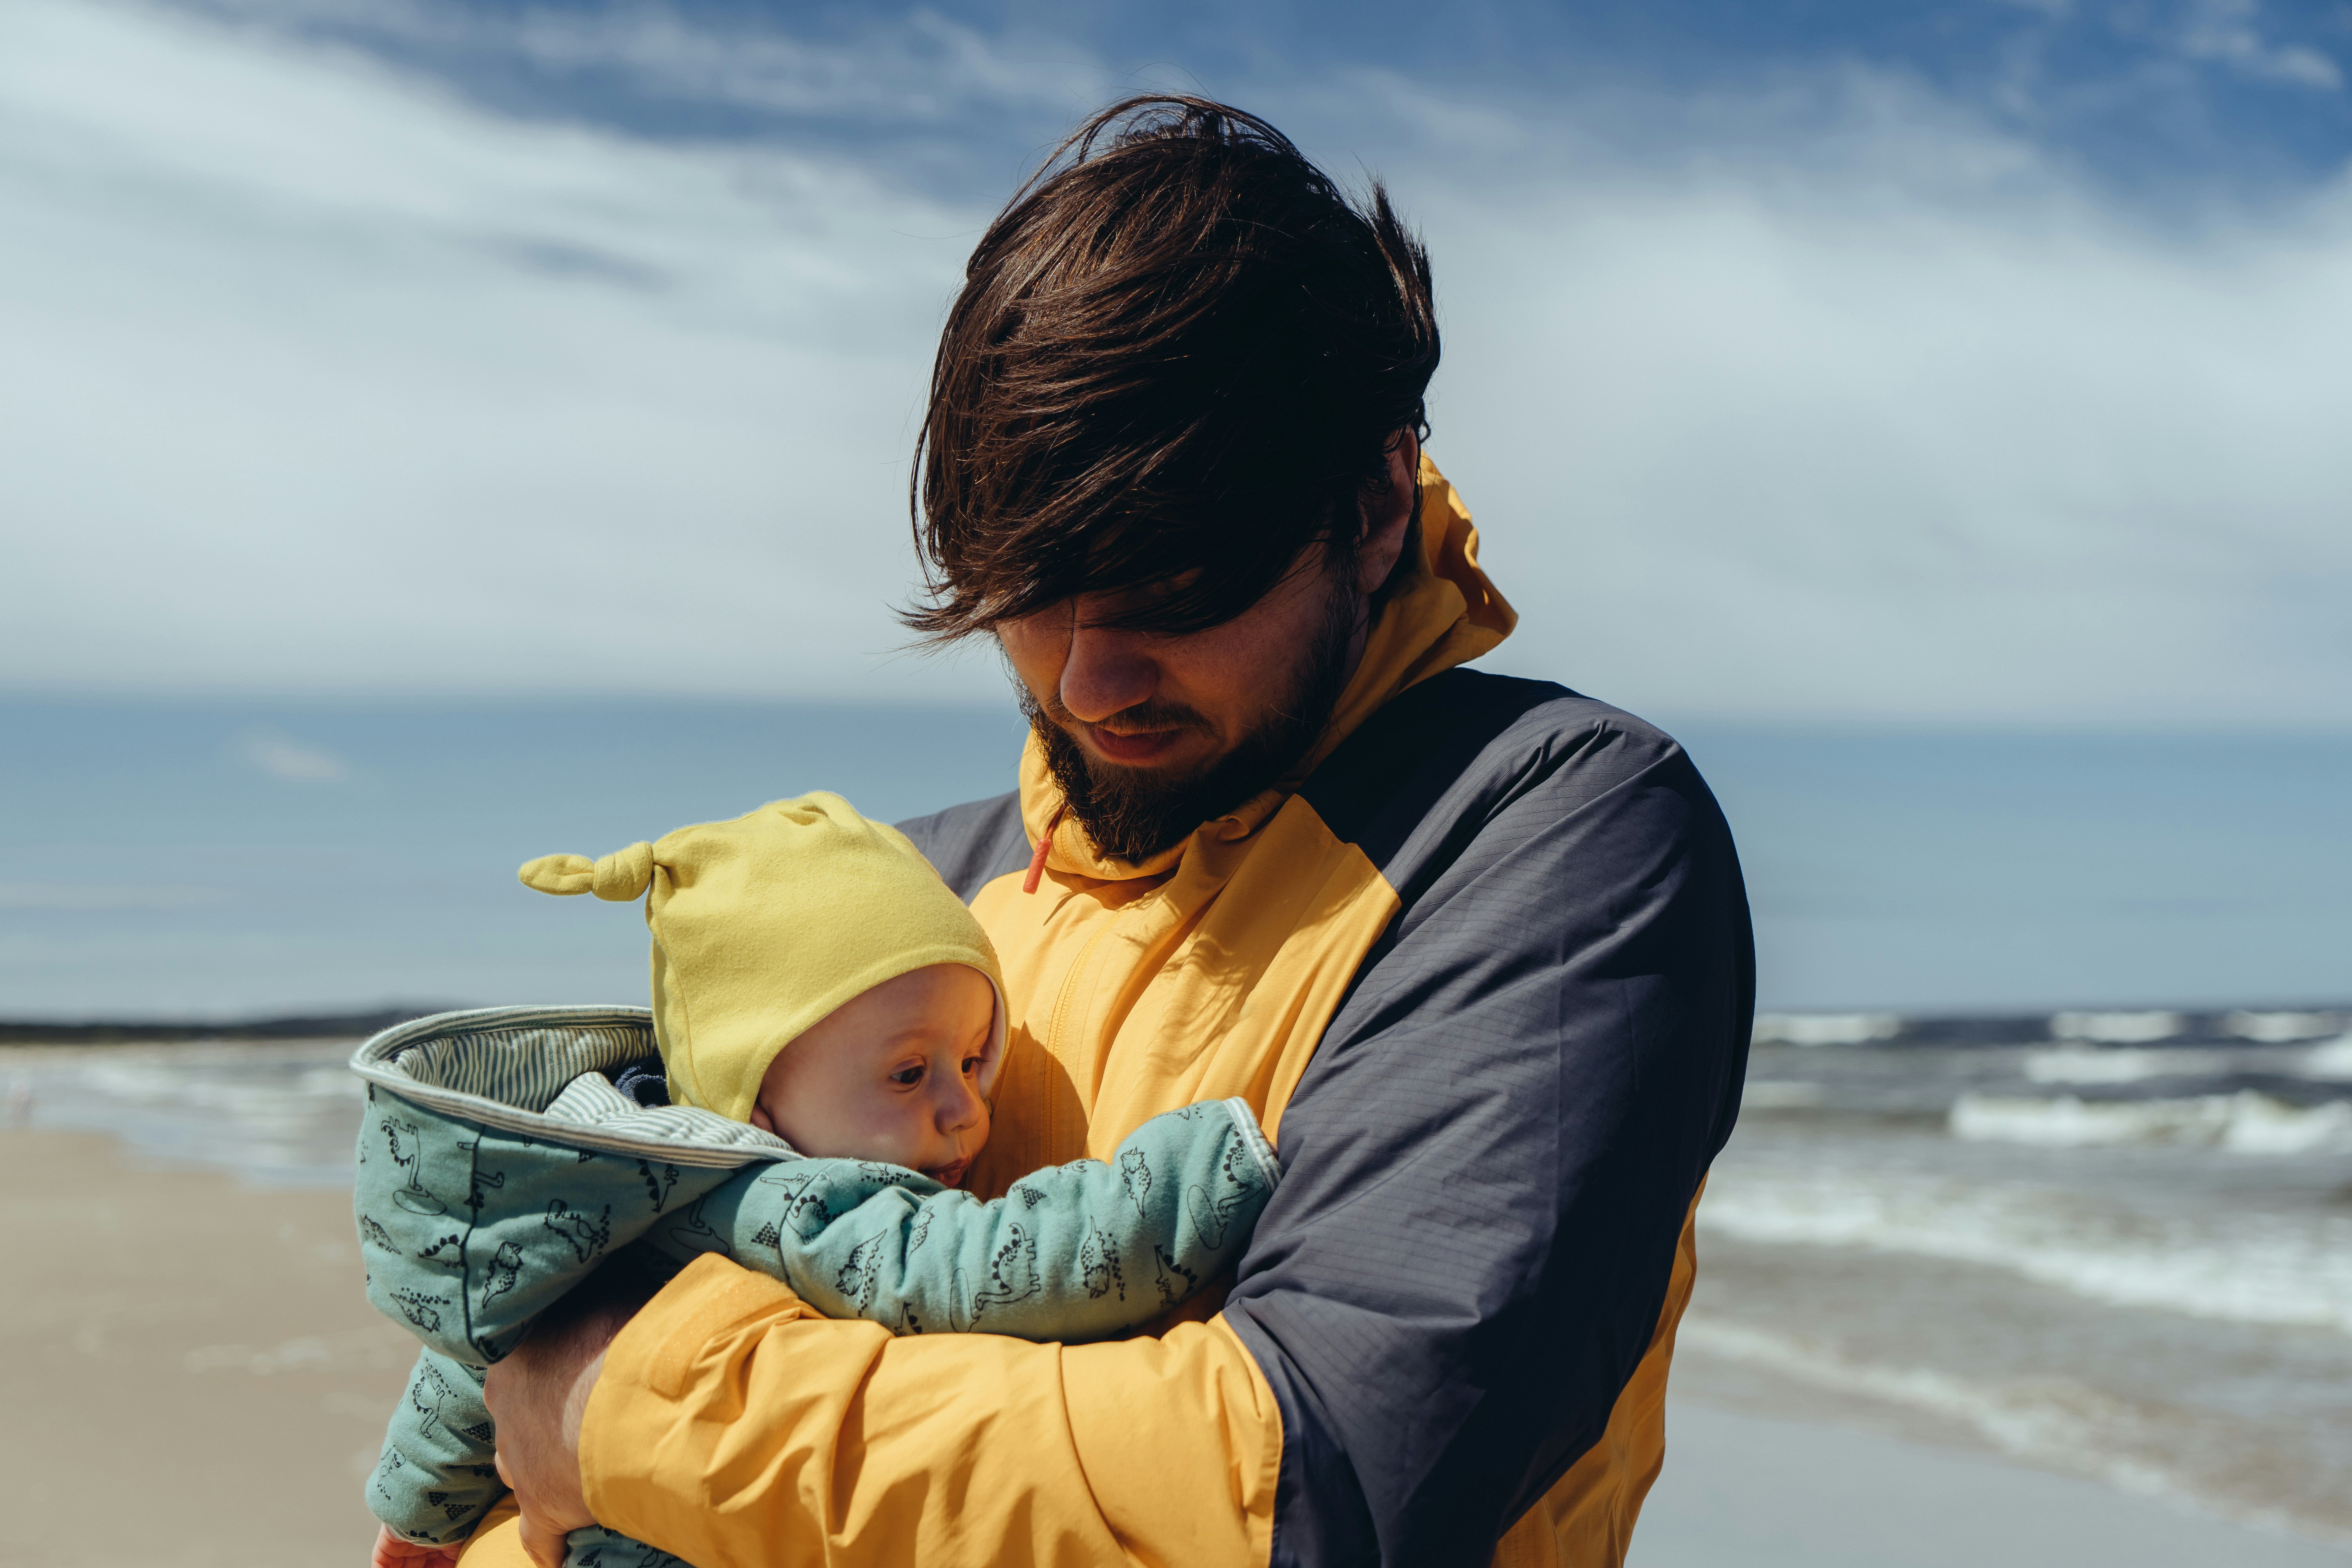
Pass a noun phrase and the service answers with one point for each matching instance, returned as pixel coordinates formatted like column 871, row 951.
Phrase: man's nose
column 1108, row 671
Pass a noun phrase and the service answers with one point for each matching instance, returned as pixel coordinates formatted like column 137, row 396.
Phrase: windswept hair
column 1180, row 356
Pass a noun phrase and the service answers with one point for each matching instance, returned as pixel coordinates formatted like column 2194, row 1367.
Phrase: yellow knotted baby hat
column 765, row 924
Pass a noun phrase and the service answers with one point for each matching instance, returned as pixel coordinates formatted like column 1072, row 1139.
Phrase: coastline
column 1762, row 1491
column 197, row 1377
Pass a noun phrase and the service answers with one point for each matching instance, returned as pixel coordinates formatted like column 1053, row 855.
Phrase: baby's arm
column 439, row 1474
column 1073, row 1252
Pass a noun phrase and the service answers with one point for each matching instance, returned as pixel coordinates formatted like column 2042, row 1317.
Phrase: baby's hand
column 398, row 1551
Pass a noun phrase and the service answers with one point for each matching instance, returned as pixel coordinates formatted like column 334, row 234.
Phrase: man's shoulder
column 973, row 844
column 1459, row 746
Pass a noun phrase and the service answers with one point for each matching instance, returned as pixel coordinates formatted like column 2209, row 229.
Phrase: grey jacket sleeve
column 1488, row 1163
column 1073, row 1252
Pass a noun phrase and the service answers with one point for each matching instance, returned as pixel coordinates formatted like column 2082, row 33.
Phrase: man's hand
column 539, row 1398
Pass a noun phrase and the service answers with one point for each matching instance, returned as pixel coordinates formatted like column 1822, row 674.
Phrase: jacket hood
column 1446, row 612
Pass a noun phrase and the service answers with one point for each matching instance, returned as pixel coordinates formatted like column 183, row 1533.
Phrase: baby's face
column 890, row 1075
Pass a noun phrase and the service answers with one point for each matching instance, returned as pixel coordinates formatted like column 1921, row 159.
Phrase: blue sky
column 2166, row 103
column 1970, row 363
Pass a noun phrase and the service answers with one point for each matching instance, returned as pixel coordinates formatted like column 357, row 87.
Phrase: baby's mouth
column 948, row 1175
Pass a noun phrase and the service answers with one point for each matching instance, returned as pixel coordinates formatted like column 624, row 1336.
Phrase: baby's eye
column 970, row 1066
column 907, row 1077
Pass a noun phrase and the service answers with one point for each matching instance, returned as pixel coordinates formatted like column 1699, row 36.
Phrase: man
column 1475, row 948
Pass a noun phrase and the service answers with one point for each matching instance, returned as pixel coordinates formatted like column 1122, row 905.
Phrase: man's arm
column 1492, row 1155
column 1487, row 1167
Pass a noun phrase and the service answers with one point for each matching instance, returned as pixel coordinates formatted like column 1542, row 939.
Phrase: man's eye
column 909, row 1076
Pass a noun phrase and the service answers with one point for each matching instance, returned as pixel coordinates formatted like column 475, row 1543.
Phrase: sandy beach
column 190, row 1372
column 194, row 1377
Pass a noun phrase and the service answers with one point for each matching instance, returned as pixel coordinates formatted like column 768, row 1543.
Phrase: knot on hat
column 621, row 876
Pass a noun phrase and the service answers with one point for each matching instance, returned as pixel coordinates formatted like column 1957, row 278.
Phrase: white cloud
column 1897, row 431
column 290, row 760
column 323, row 379
column 1845, row 405
column 2228, row 33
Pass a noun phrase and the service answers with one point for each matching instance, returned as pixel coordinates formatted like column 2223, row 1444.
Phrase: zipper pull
column 1044, row 847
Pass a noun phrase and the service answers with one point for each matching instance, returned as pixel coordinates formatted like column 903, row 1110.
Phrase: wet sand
column 192, row 1375
column 1748, row 1492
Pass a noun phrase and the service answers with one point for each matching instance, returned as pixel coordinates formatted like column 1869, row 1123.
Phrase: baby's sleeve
column 1073, row 1252
column 439, row 1472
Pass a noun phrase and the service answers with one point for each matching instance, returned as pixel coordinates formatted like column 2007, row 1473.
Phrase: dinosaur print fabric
column 489, row 1183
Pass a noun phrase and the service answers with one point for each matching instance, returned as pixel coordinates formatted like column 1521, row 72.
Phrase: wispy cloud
column 1895, row 421
column 290, row 761
column 2230, row 33
column 326, row 378
column 1827, row 395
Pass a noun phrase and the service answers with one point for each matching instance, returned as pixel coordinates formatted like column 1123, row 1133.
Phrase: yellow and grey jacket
column 1485, row 972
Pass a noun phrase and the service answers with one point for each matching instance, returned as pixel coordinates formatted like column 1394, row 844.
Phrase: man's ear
column 1387, row 525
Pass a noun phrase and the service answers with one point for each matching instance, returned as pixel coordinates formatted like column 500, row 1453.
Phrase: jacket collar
column 1447, row 613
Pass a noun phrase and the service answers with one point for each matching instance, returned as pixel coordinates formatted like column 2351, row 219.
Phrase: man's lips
column 1137, row 746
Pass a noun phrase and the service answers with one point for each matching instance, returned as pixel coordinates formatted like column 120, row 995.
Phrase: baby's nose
column 962, row 1110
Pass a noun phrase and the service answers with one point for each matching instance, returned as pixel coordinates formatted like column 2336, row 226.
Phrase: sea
column 2046, row 1147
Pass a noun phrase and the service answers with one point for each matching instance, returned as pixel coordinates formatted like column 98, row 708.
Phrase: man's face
column 1151, row 735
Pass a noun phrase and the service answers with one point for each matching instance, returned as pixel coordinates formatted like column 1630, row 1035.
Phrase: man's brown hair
column 1180, row 356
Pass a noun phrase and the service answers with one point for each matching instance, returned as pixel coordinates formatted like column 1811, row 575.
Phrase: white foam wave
column 274, row 1113
column 2075, row 1064
column 2114, row 1029
column 2241, row 1123
column 2281, row 1028
column 2051, row 1424
column 2253, row 1269
column 1825, row 1028
column 2332, row 1059
column 2054, row 1423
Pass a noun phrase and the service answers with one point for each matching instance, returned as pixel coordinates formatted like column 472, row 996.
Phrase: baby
column 809, row 1086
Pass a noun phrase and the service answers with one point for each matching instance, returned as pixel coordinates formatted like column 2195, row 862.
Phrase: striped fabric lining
column 520, row 1069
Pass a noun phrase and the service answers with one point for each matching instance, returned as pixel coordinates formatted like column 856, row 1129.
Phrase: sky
column 1943, row 363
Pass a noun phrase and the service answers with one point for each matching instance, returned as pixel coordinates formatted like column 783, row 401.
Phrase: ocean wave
column 2057, row 1424
column 271, row 1113
column 2280, row 1029
column 2241, row 1123
column 2259, row 1268
column 2077, row 1064
column 2116, row 1028
column 2332, row 1059
column 1825, row 1028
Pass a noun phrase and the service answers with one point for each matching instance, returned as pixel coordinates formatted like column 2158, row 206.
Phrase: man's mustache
column 1151, row 716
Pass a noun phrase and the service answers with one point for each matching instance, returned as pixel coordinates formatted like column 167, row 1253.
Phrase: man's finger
column 543, row 1541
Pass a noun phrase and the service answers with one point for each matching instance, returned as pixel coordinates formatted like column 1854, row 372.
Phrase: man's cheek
column 1035, row 654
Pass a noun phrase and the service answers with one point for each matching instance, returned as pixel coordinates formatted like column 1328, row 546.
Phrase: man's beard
column 1133, row 814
